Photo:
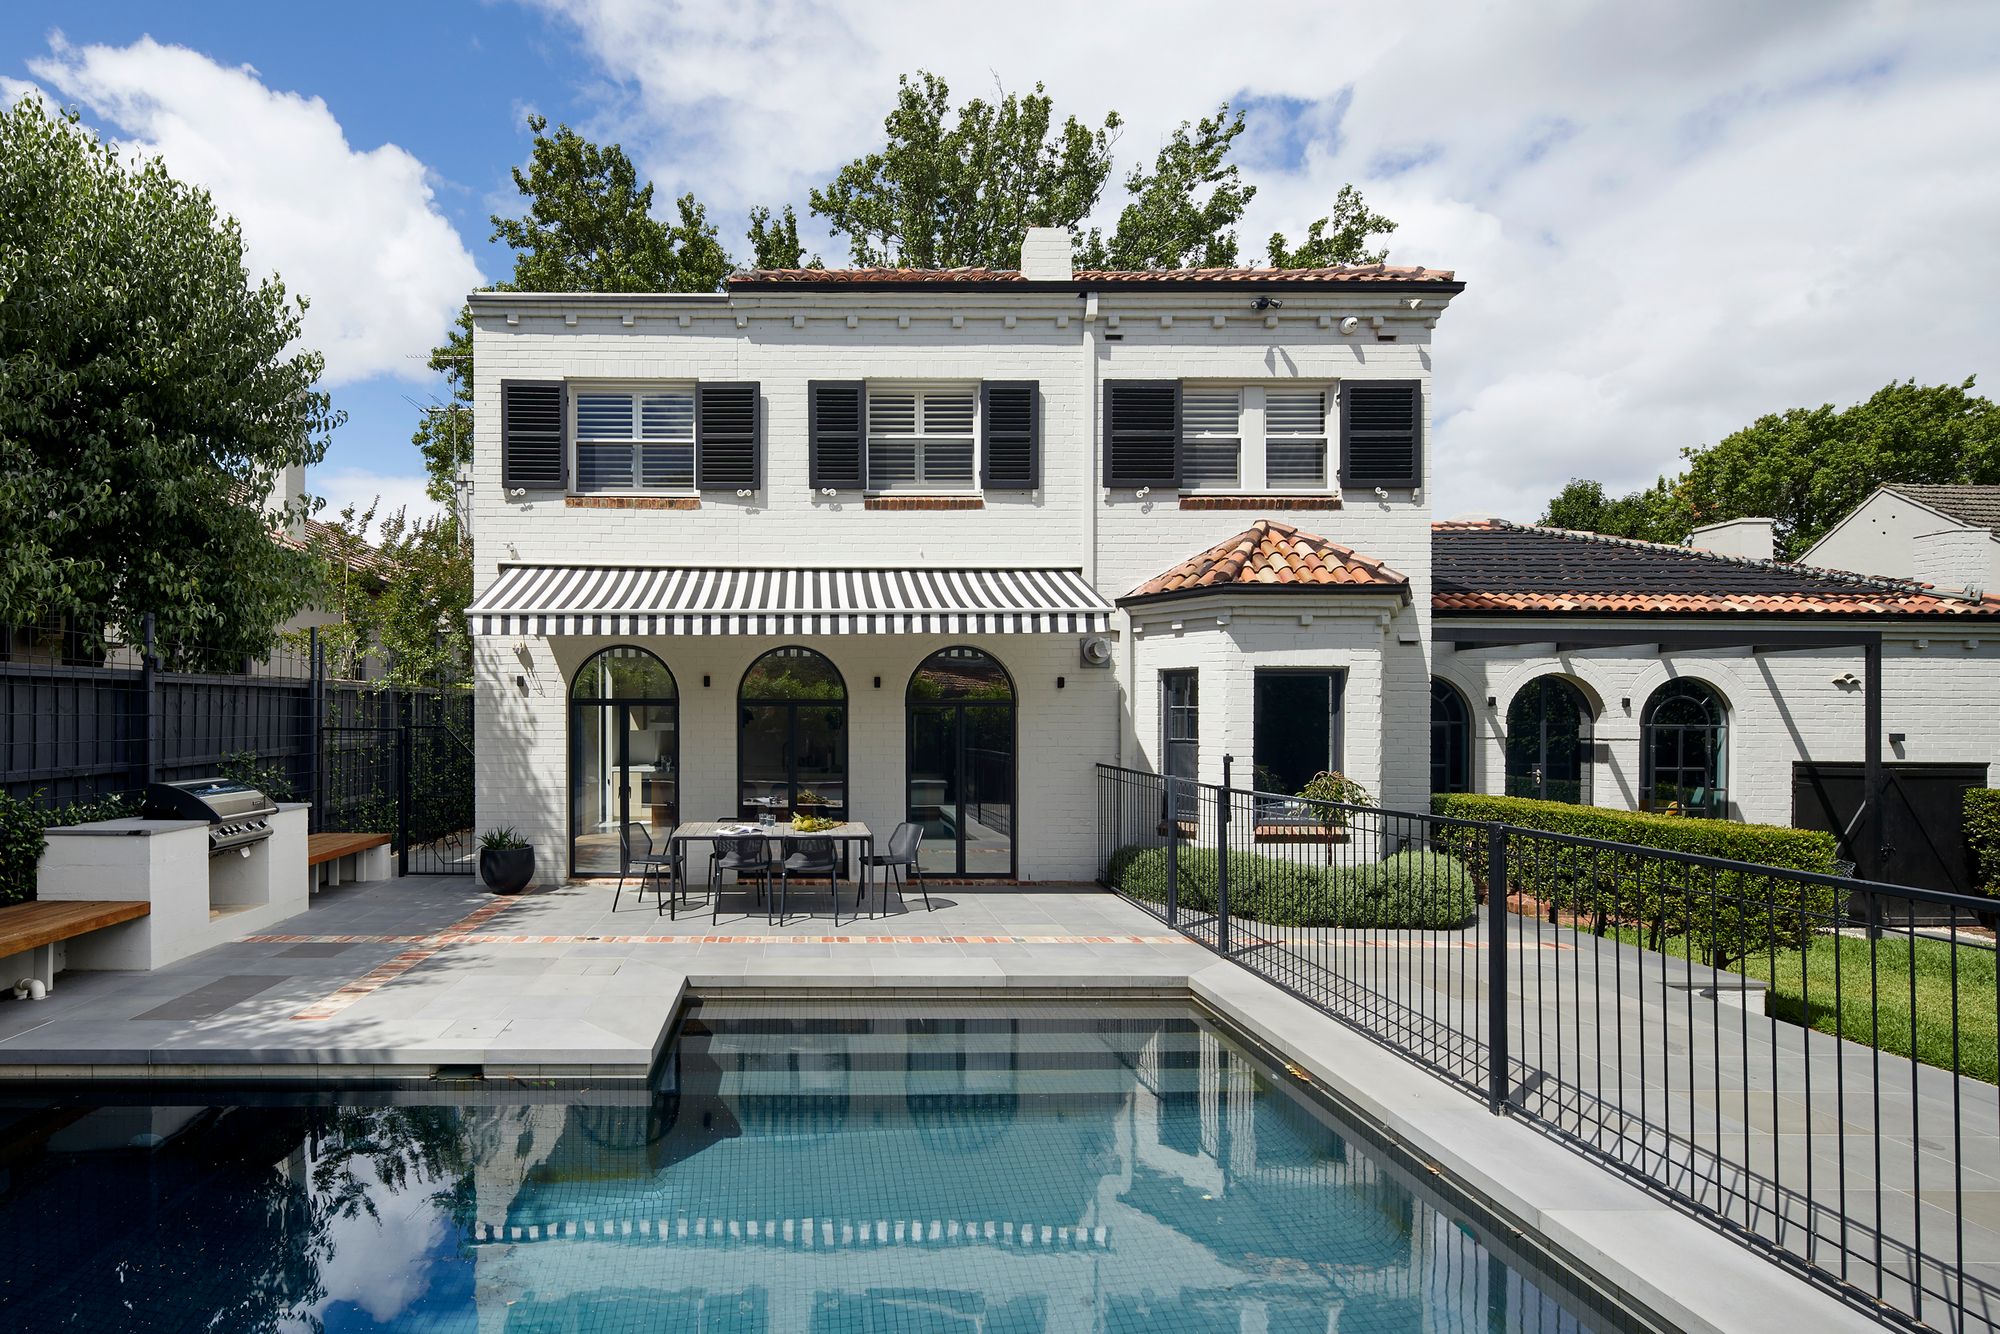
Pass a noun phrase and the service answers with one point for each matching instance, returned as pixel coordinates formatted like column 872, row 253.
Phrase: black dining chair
column 635, row 841
column 905, row 841
column 806, row 857
column 748, row 856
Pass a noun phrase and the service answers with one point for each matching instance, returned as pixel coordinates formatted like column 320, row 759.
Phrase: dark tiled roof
column 1337, row 275
column 1495, row 566
column 1977, row 506
column 1268, row 554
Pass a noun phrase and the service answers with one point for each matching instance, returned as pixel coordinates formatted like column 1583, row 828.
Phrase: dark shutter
column 725, row 435
column 532, row 452
column 1142, row 432
column 1010, row 417
column 1381, row 433
column 836, row 416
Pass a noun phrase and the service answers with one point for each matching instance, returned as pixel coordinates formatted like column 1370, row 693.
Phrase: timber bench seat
column 39, row 926
column 335, row 859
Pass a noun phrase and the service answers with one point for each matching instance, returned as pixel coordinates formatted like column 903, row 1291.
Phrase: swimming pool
column 821, row 1166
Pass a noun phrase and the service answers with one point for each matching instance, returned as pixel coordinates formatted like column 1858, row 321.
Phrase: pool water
column 818, row 1167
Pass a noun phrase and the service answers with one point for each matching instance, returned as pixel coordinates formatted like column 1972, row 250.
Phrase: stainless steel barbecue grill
column 238, row 815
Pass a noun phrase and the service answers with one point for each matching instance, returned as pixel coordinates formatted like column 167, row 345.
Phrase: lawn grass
column 1803, row 992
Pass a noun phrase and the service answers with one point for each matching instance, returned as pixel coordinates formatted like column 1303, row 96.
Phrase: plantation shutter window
column 920, row 437
column 532, row 453
column 1142, row 433
column 1211, row 437
column 1010, row 422
column 1295, row 437
column 834, row 414
column 1381, row 423
column 726, row 435
column 634, row 440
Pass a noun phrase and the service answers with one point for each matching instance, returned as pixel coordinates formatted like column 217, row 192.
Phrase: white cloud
column 355, row 231
column 1671, row 219
column 387, row 492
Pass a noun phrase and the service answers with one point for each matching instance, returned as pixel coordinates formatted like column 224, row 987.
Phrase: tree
column 774, row 241
column 1184, row 212
column 1339, row 238
column 150, row 394
column 1654, row 514
column 954, row 189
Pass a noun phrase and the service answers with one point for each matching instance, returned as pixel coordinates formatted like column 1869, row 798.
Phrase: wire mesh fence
column 1787, row 1055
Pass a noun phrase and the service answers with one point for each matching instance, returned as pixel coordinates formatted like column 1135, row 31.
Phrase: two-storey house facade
column 928, row 546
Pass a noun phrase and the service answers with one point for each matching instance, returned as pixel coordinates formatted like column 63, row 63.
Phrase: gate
column 399, row 762
column 1923, row 818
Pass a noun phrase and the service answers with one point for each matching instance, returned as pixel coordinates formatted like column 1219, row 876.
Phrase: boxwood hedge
column 1421, row 890
column 1982, row 837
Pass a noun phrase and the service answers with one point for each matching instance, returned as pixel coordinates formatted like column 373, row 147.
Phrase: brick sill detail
column 632, row 502
column 925, row 502
column 1209, row 502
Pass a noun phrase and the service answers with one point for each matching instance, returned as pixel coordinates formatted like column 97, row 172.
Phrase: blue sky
column 1671, row 219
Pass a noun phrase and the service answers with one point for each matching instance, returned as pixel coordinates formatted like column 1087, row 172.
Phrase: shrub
column 1423, row 890
column 22, row 841
column 1982, row 837
column 1727, row 915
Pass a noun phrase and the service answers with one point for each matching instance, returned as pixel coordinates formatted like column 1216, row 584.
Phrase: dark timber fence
column 1672, row 1016
column 367, row 756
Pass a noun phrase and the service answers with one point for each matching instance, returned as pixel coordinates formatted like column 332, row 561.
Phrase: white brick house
column 1147, row 519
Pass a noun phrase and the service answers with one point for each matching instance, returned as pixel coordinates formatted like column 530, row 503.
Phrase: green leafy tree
column 1184, row 212
column 150, row 393
column 774, row 241
column 951, row 189
column 1339, row 238
column 1654, row 514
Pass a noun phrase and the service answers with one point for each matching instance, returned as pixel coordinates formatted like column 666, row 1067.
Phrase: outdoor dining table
column 846, row 833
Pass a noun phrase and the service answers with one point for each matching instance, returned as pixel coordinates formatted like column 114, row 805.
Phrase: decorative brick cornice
column 633, row 502
column 1211, row 502
column 926, row 503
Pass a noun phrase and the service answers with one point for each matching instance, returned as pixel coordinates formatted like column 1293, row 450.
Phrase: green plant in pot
column 506, row 861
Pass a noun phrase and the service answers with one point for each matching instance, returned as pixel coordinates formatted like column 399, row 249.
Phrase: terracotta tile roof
column 1975, row 506
column 1272, row 555
column 1341, row 274
column 1496, row 566
column 356, row 553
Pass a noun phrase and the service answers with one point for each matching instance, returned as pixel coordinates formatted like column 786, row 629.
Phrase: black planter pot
column 507, row 870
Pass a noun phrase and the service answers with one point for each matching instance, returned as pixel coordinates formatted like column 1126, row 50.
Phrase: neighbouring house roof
column 1495, row 566
column 1341, row 275
column 356, row 553
column 1272, row 555
column 1974, row 506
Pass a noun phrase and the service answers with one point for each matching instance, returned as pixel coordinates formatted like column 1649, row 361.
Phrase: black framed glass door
column 624, row 763
column 792, row 737
column 961, row 770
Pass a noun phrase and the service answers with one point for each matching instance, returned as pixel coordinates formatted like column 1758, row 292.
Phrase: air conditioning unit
column 1094, row 651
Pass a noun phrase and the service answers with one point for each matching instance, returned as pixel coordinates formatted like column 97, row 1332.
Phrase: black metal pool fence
column 1642, row 1006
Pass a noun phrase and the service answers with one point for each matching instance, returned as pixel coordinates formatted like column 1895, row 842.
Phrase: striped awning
column 679, row 600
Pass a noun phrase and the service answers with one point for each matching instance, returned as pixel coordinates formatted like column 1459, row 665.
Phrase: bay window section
column 634, row 440
column 921, row 437
column 1295, row 438
column 1211, row 437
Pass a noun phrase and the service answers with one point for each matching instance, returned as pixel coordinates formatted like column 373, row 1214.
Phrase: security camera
column 1267, row 303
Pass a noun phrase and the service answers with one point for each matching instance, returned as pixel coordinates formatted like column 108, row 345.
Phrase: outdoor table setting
column 844, row 834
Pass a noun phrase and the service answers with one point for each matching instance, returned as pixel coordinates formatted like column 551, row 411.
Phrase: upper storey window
column 1211, row 437
column 1278, row 437
column 1295, row 437
column 921, row 436
column 635, row 440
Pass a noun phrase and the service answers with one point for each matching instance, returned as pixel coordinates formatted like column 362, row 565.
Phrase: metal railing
column 1768, row 1048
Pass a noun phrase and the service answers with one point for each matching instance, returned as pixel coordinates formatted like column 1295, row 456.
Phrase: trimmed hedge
column 1726, row 915
column 1982, row 837
column 1420, row 890
column 22, row 821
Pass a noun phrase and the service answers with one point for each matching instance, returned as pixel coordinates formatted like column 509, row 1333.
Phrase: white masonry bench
column 196, row 900
column 339, row 859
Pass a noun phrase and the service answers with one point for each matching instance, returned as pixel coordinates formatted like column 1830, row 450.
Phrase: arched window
column 960, row 714
column 1549, row 725
column 791, row 736
column 1451, row 739
column 1683, row 735
column 624, row 747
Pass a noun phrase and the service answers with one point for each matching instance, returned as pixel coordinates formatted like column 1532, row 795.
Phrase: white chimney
column 1045, row 255
column 1752, row 539
column 289, row 488
column 1953, row 560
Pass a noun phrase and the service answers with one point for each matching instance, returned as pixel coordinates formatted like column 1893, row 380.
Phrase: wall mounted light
column 1896, row 738
column 1061, row 682
column 1492, row 701
column 704, row 683
column 1626, row 703
column 878, row 683
column 522, row 682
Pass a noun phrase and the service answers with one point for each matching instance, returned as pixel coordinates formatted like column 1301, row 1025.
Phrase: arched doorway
column 1549, row 726
column 791, row 736
column 1451, row 739
column 1683, row 733
column 624, row 756
column 961, row 763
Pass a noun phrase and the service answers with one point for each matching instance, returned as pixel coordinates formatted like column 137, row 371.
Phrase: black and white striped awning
column 662, row 600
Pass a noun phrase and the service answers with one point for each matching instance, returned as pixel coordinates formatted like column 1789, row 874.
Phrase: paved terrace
column 409, row 976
